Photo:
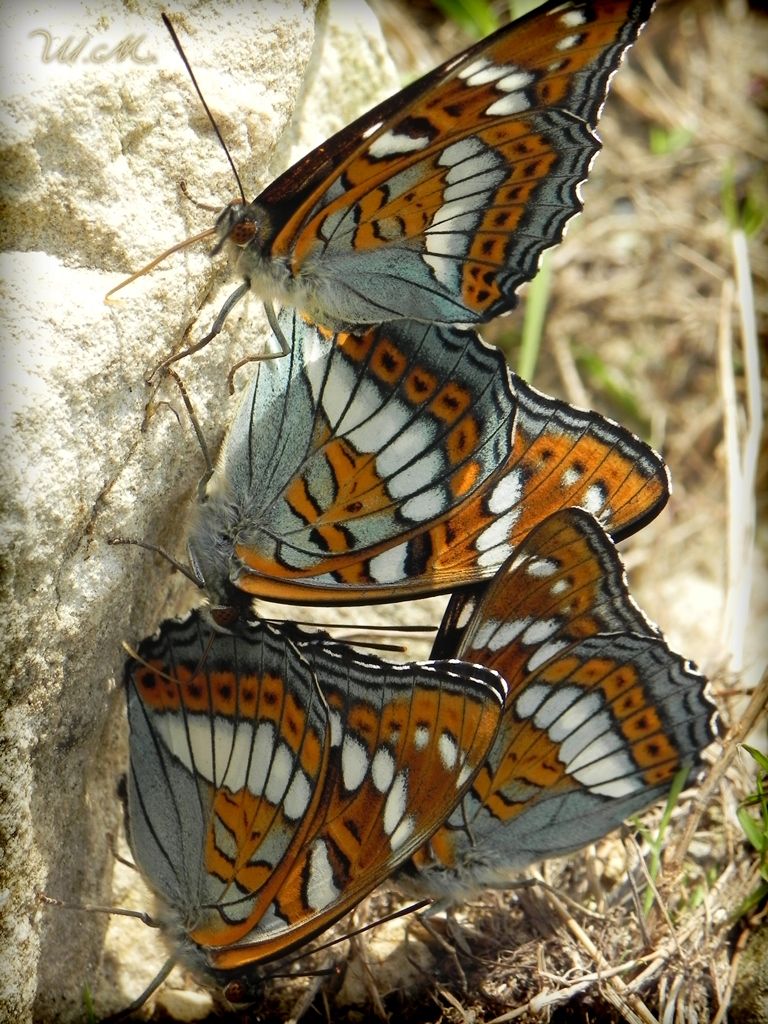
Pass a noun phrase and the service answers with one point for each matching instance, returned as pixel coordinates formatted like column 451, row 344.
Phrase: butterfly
column 276, row 776
column 437, row 204
column 275, row 780
column 397, row 462
column 600, row 714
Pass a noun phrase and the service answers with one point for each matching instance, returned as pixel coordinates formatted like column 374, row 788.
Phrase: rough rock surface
column 95, row 139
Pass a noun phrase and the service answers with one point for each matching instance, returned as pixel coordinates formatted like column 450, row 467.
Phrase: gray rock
column 95, row 139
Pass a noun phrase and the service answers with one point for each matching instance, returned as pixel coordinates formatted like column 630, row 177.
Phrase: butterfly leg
column 448, row 945
column 218, row 323
column 185, row 570
column 285, row 348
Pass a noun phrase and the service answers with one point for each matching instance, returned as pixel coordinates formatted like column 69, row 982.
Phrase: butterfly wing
column 405, row 743
column 561, row 457
column 338, row 450
column 600, row 715
column 263, row 806
column 437, row 204
column 228, row 756
column 397, row 462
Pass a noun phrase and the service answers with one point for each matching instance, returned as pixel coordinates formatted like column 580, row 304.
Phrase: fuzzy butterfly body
column 437, row 204
column 600, row 714
column 275, row 780
column 397, row 462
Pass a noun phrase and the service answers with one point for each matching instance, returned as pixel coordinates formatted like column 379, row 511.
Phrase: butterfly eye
column 243, row 231
column 237, row 994
column 239, row 224
column 225, row 616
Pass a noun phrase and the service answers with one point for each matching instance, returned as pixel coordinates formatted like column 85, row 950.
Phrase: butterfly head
column 210, row 555
column 243, row 225
column 234, row 989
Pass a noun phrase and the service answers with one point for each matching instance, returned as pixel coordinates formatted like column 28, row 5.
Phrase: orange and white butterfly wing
column 405, row 743
column 601, row 714
column 400, row 461
column 561, row 457
column 277, row 777
column 228, row 755
column 437, row 204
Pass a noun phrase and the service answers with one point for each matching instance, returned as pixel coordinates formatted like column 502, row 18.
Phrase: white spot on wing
column 474, row 68
column 541, row 567
column 498, row 532
column 279, row 775
column 613, row 778
column 174, row 736
column 544, row 653
column 235, row 756
column 515, row 81
column 446, row 271
column 594, row 499
column 507, row 493
column 335, row 722
column 455, row 208
column 424, row 507
column 372, row 129
column 490, row 73
column 373, row 432
column 337, row 388
column 483, row 172
column 568, row 42
column 465, row 614
column 572, row 19
column 421, row 737
column 449, row 752
column 411, row 441
column 382, row 769
column 566, row 721
column 445, row 243
column 198, row 750
column 321, row 888
column 514, row 103
column 391, row 143
column 531, row 699
column 390, row 566
column 600, row 746
column 402, row 833
column 458, row 152
column 494, row 635
column 413, row 477
column 354, row 762
column 570, row 477
column 539, row 630
column 298, row 796
column 494, row 557
column 261, row 756
column 395, row 804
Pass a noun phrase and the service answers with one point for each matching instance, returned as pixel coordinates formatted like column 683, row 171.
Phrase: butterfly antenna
column 177, row 44
column 363, row 627
column 168, row 676
column 412, row 908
